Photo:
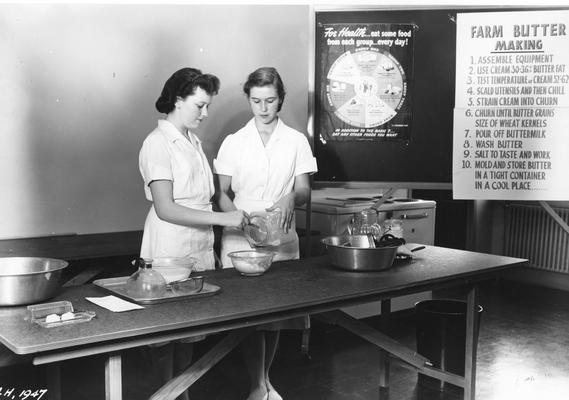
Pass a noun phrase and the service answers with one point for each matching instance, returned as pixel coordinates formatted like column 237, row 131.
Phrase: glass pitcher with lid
column 365, row 223
column 145, row 283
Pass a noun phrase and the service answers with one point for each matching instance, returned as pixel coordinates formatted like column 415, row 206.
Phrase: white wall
column 77, row 90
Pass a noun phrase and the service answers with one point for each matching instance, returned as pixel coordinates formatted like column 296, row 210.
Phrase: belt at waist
column 250, row 204
column 206, row 206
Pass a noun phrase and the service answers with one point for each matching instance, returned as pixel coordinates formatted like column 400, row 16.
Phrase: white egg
column 67, row 316
column 52, row 318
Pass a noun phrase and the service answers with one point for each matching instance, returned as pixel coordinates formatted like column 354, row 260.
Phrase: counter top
column 74, row 247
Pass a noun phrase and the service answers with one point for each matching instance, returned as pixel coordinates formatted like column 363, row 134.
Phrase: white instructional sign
column 511, row 116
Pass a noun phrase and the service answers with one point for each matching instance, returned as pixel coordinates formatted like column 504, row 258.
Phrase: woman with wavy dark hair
column 179, row 183
column 177, row 177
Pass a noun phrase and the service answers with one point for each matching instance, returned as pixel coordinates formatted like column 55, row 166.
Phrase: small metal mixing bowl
column 29, row 280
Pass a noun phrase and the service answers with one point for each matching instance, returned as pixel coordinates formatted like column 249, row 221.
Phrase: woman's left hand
column 286, row 207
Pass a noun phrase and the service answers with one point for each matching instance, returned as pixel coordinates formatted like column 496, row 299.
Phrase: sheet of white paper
column 114, row 304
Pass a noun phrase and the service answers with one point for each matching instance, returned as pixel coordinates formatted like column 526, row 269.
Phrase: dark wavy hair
column 183, row 83
column 265, row 76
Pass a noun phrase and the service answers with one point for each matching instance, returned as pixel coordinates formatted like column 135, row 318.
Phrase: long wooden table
column 288, row 289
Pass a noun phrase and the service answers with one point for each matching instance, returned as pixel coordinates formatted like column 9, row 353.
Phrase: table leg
column 375, row 337
column 53, row 380
column 113, row 377
column 383, row 355
column 176, row 386
column 471, row 343
column 305, row 343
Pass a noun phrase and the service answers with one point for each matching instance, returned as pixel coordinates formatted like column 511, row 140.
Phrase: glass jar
column 365, row 223
column 145, row 283
column 394, row 226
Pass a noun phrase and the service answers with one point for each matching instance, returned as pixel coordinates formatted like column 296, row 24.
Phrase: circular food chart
column 366, row 88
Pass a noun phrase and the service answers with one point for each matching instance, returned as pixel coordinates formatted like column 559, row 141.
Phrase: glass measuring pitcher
column 264, row 230
column 365, row 223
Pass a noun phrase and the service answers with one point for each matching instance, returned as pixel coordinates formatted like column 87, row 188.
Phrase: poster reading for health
column 511, row 116
column 365, row 81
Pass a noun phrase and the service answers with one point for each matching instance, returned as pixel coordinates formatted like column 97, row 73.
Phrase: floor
column 523, row 354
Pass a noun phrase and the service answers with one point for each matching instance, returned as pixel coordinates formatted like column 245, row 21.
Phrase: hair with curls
column 265, row 76
column 183, row 83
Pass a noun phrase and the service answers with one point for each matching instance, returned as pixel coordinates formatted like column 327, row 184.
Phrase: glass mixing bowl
column 251, row 262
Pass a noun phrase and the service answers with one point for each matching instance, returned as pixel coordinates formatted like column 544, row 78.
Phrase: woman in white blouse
column 266, row 165
column 179, row 183
column 177, row 177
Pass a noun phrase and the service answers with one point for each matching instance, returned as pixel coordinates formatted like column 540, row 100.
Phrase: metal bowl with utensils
column 356, row 253
column 29, row 280
column 360, row 253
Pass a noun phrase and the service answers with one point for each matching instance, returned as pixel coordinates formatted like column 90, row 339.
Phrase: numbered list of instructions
column 511, row 116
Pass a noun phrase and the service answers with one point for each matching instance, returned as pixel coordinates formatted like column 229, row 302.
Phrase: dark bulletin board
column 427, row 155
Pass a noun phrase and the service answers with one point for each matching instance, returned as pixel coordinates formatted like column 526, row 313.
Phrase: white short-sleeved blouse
column 261, row 175
column 167, row 155
column 264, row 173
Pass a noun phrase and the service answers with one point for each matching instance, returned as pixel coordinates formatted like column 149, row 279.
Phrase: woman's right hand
column 236, row 218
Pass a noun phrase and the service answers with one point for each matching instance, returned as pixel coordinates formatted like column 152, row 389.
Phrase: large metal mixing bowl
column 29, row 280
column 353, row 253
